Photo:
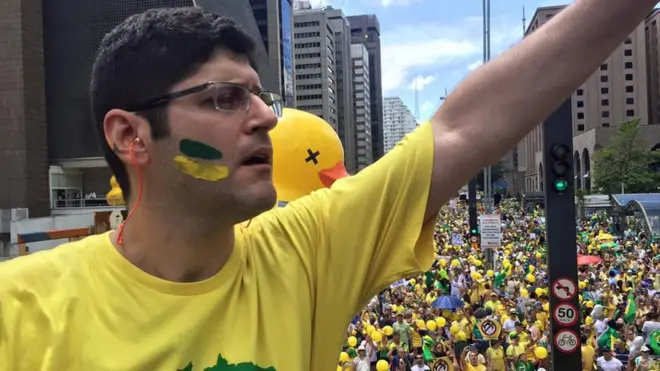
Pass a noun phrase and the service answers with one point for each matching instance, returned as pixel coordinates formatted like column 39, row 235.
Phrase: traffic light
column 560, row 167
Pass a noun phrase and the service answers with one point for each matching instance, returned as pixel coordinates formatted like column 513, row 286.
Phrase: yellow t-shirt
column 296, row 277
column 496, row 359
column 588, row 357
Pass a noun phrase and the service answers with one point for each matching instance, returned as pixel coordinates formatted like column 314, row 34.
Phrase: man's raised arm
column 496, row 105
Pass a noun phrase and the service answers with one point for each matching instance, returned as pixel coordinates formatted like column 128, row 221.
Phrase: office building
column 365, row 29
column 617, row 91
column 362, row 104
column 274, row 18
column 397, row 121
column 49, row 153
column 344, row 68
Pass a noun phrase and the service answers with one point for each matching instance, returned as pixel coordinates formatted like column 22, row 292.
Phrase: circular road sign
column 565, row 314
column 566, row 341
column 564, row 288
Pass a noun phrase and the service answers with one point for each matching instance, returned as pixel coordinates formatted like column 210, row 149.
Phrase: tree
column 625, row 163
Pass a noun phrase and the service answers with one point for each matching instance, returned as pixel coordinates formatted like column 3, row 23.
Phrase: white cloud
column 408, row 50
column 419, row 82
column 474, row 65
column 386, row 3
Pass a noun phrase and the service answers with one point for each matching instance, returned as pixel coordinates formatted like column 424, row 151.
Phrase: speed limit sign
column 565, row 314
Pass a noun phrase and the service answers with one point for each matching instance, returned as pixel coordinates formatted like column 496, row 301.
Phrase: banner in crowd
column 442, row 364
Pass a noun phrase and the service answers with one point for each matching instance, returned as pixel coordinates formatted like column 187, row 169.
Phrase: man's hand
column 500, row 102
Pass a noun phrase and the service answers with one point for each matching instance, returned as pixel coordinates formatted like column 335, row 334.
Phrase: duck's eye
column 312, row 156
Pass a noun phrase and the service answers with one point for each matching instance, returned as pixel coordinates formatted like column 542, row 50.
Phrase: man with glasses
column 186, row 283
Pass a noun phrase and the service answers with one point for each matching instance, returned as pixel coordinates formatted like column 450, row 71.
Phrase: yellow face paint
column 201, row 170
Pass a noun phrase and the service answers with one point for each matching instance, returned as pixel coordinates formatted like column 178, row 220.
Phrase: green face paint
column 194, row 149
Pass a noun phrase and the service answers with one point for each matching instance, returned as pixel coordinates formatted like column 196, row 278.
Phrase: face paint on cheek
column 195, row 161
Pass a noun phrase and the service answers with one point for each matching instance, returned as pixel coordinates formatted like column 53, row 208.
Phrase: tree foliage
column 626, row 161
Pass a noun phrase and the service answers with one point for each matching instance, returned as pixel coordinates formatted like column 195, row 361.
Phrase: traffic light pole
column 560, row 237
column 472, row 212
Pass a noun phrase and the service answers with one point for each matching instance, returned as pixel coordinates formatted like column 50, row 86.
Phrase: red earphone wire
column 120, row 229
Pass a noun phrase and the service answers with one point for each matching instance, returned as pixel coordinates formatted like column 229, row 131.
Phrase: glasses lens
column 229, row 97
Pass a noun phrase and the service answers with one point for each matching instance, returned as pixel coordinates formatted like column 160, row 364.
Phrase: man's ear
column 127, row 134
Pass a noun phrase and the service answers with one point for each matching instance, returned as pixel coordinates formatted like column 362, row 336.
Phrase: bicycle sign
column 565, row 314
column 566, row 341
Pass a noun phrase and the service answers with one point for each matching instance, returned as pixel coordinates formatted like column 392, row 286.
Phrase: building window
column 629, row 77
column 605, row 114
column 605, row 124
column 604, row 90
column 628, row 40
column 605, row 102
column 580, row 127
column 580, row 115
column 580, row 104
column 630, row 89
column 604, row 78
column 629, row 65
column 630, row 112
column 603, row 67
column 627, row 52
column 580, row 92
column 630, row 100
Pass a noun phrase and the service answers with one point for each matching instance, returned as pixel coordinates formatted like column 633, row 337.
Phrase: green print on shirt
column 223, row 365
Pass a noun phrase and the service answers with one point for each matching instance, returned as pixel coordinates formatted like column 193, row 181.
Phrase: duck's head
column 307, row 155
column 115, row 197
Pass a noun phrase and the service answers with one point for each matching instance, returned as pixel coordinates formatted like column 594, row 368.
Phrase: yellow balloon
column 420, row 324
column 388, row 330
column 296, row 131
column 115, row 197
column 412, row 282
column 455, row 263
column 431, row 325
column 532, row 269
column 478, row 263
column 352, row 341
column 530, row 278
column 524, row 292
column 539, row 255
column 441, row 322
column 490, row 273
column 382, row 365
column 538, row 291
column 460, row 336
column 443, row 263
column 588, row 321
column 540, row 352
column 370, row 329
column 376, row 336
column 506, row 263
column 454, row 329
column 343, row 357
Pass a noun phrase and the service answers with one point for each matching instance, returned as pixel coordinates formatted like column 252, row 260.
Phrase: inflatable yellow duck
column 115, row 197
column 307, row 155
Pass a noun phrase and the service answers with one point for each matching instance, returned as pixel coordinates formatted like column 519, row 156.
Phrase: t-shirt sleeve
column 373, row 230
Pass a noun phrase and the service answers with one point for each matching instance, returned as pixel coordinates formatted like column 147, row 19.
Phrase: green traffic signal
column 561, row 185
column 474, row 231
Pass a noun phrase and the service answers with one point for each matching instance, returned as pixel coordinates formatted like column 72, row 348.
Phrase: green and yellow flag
column 631, row 309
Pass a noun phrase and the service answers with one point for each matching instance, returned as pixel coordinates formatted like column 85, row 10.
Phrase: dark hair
column 146, row 55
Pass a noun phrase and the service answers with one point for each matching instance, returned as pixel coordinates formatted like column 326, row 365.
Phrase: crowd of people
column 468, row 314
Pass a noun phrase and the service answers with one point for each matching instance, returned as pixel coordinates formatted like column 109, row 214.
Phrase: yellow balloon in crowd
column 490, row 273
column 343, row 357
column 454, row 329
column 382, row 365
column 460, row 336
column 538, row 255
column 352, row 341
column 455, row 263
column 441, row 322
column 115, row 197
column 588, row 321
column 412, row 282
column 532, row 269
column 376, row 336
column 420, row 324
column 431, row 325
column 478, row 263
column 443, row 263
column 370, row 329
column 506, row 263
column 582, row 285
column 538, row 291
column 524, row 293
column 540, row 352
column 307, row 155
column 388, row 330
column 530, row 278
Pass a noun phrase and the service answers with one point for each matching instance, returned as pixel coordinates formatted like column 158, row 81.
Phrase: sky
column 437, row 42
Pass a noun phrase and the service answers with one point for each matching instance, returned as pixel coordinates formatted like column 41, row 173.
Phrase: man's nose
column 261, row 116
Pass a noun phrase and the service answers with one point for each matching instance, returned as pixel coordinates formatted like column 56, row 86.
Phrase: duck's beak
column 329, row 176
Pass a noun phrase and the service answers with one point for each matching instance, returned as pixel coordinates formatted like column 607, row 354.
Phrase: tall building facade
column 345, row 110
column 274, row 18
column 617, row 91
column 315, row 71
column 397, row 121
column 49, row 156
column 362, row 104
column 365, row 29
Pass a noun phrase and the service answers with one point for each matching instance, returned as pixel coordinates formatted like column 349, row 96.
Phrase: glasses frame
column 271, row 99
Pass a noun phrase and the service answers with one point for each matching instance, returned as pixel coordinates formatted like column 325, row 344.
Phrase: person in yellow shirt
column 187, row 283
column 495, row 356
column 493, row 303
column 588, row 354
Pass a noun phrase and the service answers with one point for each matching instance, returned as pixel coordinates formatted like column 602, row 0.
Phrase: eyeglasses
column 226, row 96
